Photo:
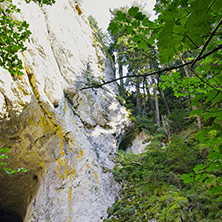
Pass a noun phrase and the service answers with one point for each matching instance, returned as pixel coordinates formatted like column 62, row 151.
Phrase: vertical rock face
column 65, row 136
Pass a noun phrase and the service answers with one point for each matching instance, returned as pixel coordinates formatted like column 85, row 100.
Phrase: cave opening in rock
column 16, row 192
column 9, row 216
column 126, row 141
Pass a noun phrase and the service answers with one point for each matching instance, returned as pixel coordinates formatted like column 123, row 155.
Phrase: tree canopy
column 13, row 34
column 186, row 34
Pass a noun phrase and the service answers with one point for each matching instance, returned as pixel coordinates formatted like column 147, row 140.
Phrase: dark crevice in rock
column 9, row 216
column 26, row 136
column 16, row 192
column 56, row 104
column 126, row 141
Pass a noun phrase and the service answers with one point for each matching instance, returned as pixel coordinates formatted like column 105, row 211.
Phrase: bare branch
column 202, row 80
column 158, row 71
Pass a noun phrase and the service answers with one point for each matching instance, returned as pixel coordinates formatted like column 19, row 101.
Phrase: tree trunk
column 165, row 102
column 150, row 98
column 157, row 112
column 121, row 87
column 138, row 100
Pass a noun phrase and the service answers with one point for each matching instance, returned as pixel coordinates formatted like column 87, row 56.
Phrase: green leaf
column 146, row 22
column 3, row 156
column 216, row 190
column 199, row 168
column 133, row 11
column 112, row 25
column 213, row 166
column 187, row 178
column 201, row 177
column 142, row 45
column 209, row 180
column 12, row 172
column 197, row 112
column 22, row 170
column 140, row 16
column 219, row 116
column 1, row 163
column 211, row 95
column 4, row 150
column 120, row 16
column 129, row 30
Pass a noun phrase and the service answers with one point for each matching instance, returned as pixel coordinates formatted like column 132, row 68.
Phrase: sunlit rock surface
column 139, row 143
column 65, row 136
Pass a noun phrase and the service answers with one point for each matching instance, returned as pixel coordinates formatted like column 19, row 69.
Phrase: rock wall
column 65, row 136
column 139, row 143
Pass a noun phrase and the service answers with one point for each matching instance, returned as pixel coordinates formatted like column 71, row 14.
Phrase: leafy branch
column 202, row 80
column 206, row 43
column 4, row 156
column 13, row 34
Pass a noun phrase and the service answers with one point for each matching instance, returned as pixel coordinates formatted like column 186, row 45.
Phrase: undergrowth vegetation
column 152, row 186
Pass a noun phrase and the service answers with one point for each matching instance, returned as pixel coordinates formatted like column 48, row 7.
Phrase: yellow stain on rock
column 60, row 135
column 70, row 195
column 78, row 9
column 69, row 168
column 70, row 145
column 60, row 163
column 65, row 107
column 32, row 81
column 66, row 169
column 81, row 153
column 49, row 125
column 97, row 178
column 74, row 171
column 21, row 89
column 43, row 122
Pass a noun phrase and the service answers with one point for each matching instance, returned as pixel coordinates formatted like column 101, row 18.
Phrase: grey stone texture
column 66, row 137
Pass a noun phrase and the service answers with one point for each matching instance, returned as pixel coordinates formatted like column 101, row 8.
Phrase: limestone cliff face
column 65, row 136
